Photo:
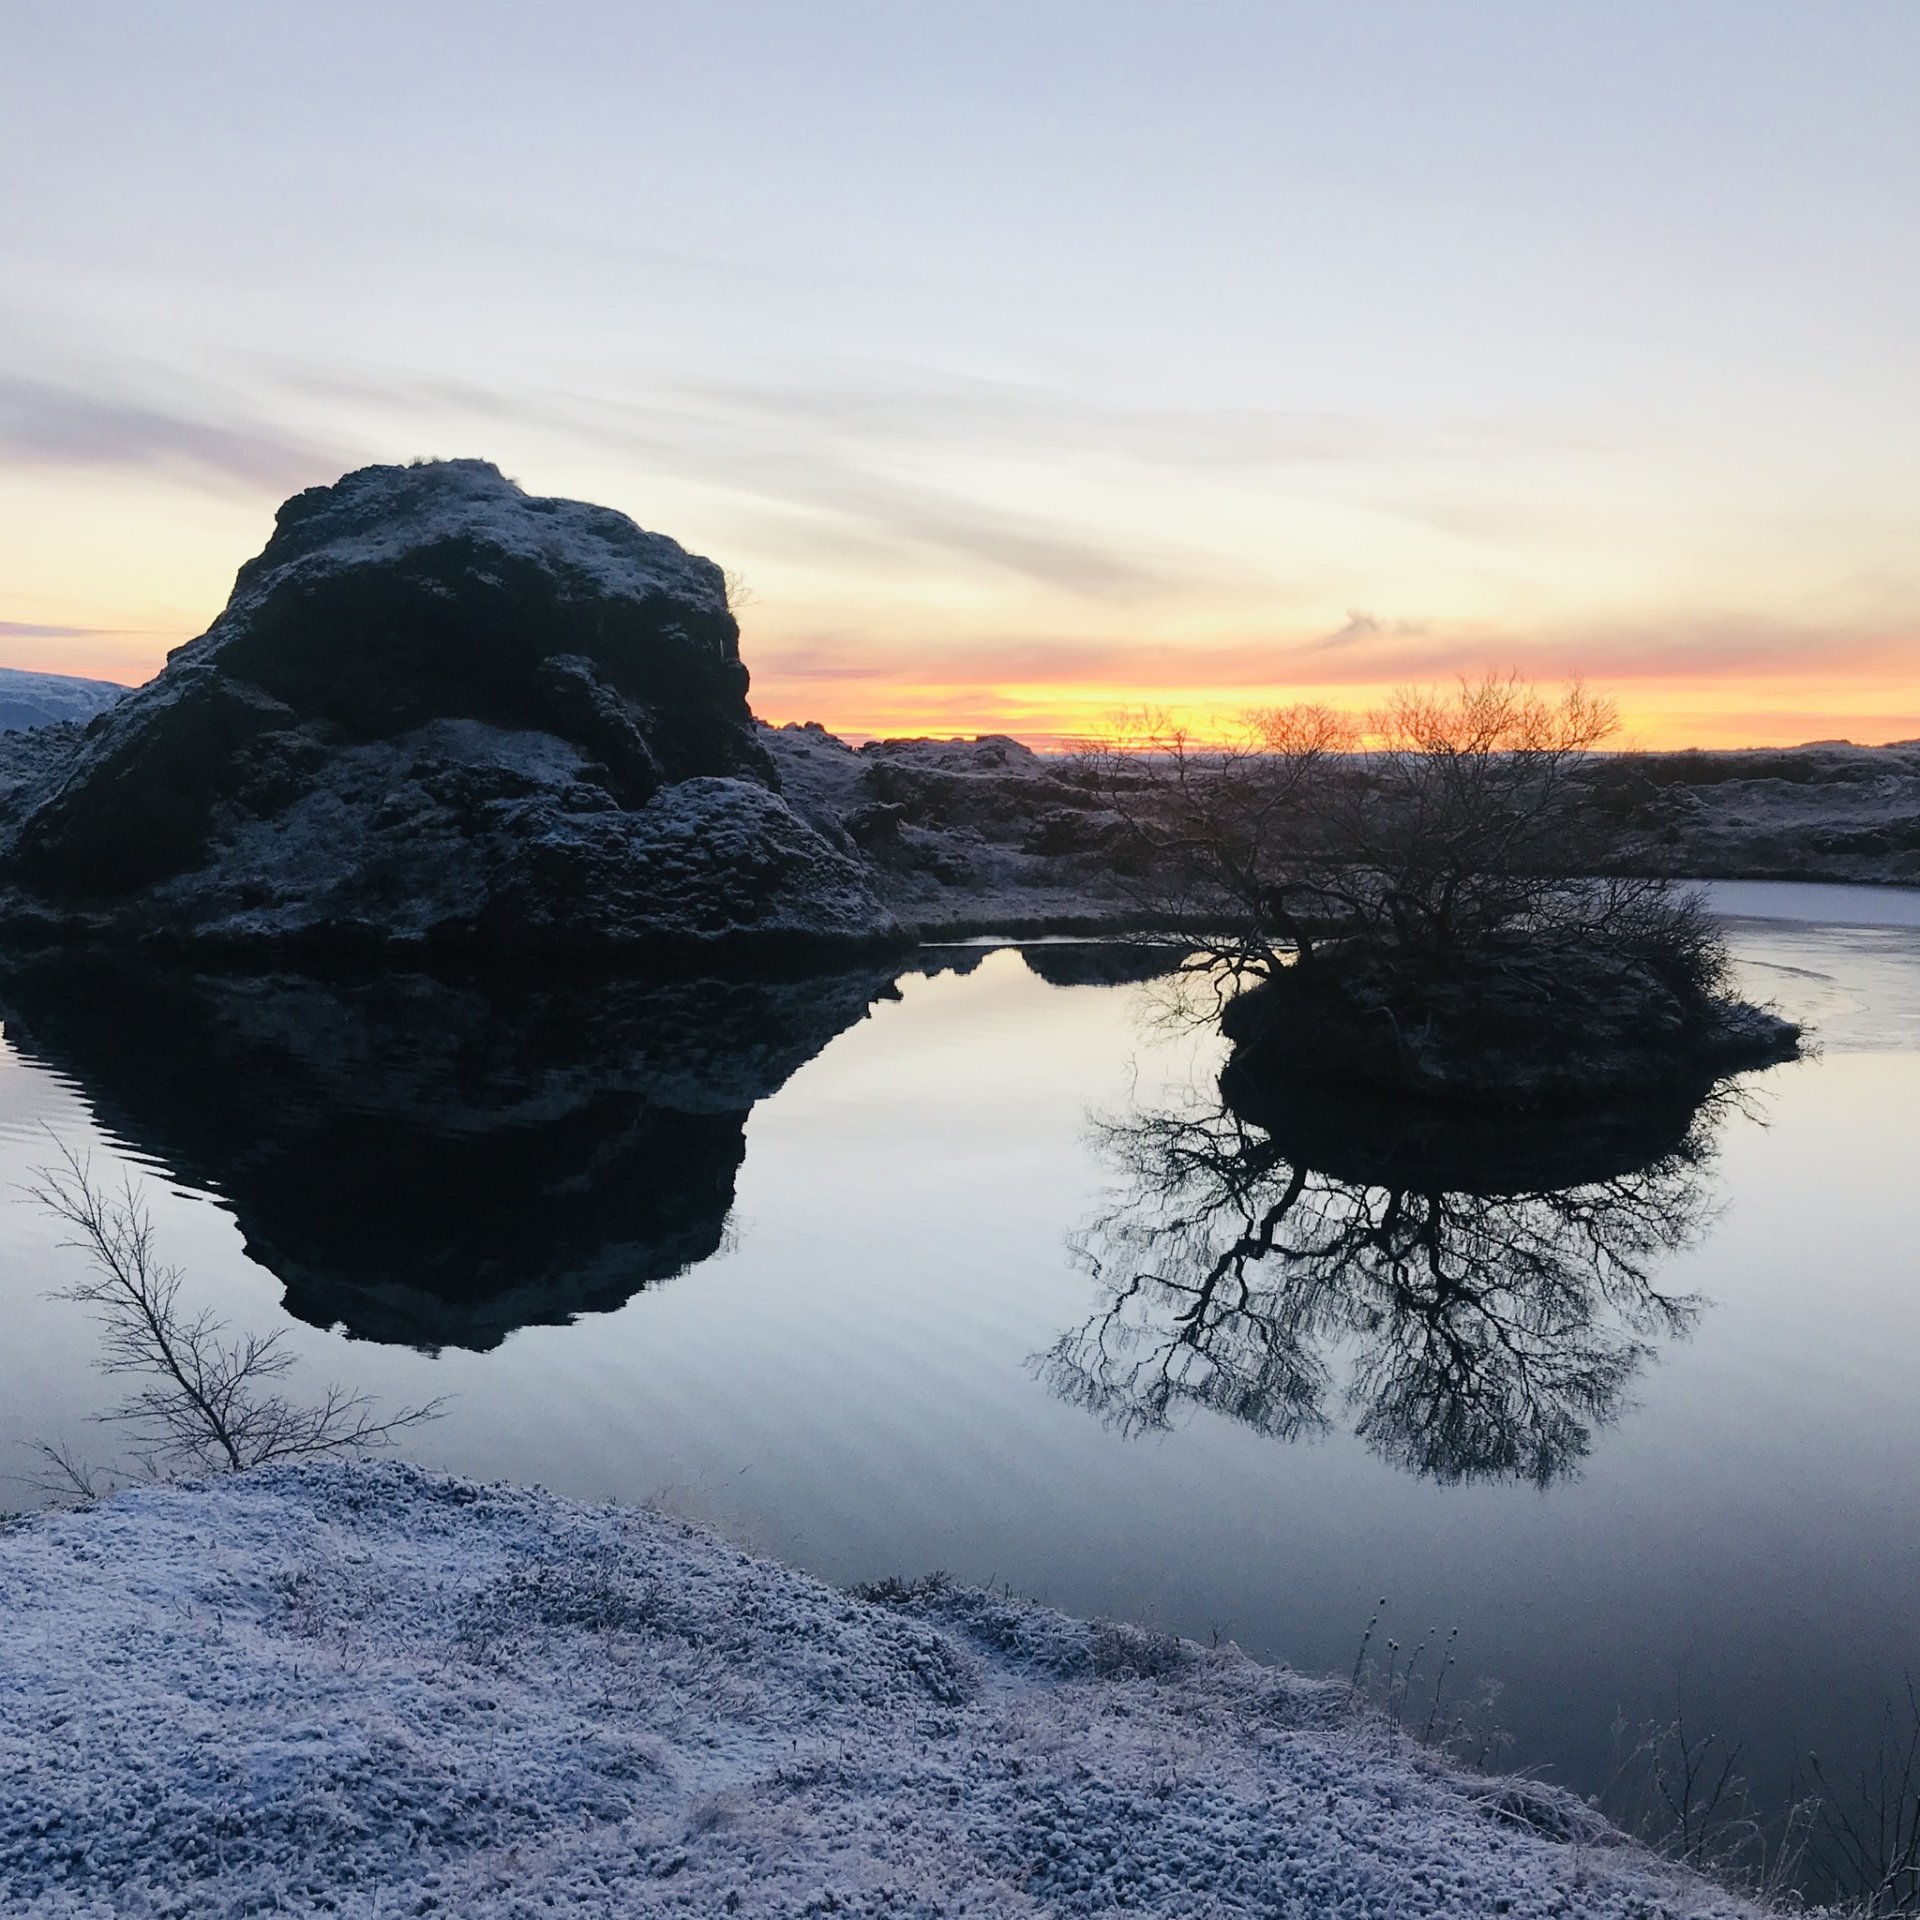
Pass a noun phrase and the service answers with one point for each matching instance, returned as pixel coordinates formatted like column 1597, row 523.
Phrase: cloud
column 917, row 407
column 914, row 406
column 34, row 630
column 1362, row 627
column 1686, row 648
column 810, row 666
column 47, row 425
column 855, row 464
column 1233, row 670
column 815, row 467
column 896, row 407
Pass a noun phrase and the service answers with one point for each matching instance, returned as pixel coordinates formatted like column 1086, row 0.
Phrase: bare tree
column 207, row 1401
column 1467, row 817
column 1866, row 1841
column 1429, row 901
column 1439, row 819
column 1229, row 828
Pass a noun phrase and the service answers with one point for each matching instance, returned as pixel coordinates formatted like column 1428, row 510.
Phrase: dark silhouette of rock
column 439, row 712
column 965, row 836
column 1510, row 1026
column 1375, row 1139
column 1101, row 963
column 1827, row 810
column 438, row 1160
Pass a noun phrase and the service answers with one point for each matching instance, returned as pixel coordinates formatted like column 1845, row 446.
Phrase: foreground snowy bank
column 368, row 1690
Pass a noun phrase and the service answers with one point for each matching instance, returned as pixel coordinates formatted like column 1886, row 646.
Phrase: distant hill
column 29, row 700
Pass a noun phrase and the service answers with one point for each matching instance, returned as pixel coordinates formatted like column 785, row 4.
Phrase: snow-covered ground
column 29, row 700
column 367, row 1690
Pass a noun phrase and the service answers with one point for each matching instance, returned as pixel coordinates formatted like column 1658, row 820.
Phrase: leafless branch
column 205, row 1399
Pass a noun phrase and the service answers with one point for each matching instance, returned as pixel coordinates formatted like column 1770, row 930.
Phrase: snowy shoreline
column 370, row 1690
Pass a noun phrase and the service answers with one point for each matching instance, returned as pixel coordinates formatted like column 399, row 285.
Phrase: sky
column 1023, row 361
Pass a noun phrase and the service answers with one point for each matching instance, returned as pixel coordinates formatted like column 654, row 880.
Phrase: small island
column 1425, row 907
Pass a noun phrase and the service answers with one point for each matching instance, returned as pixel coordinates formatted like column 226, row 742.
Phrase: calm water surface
column 831, row 1269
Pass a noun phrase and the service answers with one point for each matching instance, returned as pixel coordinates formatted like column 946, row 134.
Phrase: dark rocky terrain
column 1511, row 1025
column 965, row 836
column 987, row 835
column 436, row 715
column 439, row 716
column 1826, row 811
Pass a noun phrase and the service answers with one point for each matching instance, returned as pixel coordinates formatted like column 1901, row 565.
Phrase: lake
column 844, row 1268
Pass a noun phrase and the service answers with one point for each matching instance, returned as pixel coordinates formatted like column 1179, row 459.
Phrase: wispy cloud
column 817, row 471
column 1361, row 628
column 910, row 407
column 1685, row 648
column 1238, row 670
column 905, row 407
column 37, row 630
column 45, row 424
column 881, row 468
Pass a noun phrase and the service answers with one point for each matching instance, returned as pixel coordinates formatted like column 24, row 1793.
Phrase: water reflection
column 432, row 1160
column 1475, row 1300
column 1100, row 963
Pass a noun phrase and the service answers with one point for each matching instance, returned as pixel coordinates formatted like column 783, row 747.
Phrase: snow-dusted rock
column 1825, row 811
column 29, row 700
column 963, row 836
column 367, row 1690
column 439, row 711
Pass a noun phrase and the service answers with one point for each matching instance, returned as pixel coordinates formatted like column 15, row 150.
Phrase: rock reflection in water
column 437, row 1161
column 1476, row 1301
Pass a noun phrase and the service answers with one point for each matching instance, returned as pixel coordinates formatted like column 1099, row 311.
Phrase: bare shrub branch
column 206, row 1400
column 1443, row 820
column 1221, row 821
column 66, row 1476
column 1866, row 1840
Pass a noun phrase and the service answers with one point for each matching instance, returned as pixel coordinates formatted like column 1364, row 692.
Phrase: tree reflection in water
column 1478, row 1300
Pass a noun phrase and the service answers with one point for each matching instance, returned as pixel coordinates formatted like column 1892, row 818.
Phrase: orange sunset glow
column 1606, row 371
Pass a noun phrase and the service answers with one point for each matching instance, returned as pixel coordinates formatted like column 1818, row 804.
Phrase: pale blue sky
column 1014, row 354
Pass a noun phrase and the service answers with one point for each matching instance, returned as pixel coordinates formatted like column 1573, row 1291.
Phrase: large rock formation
column 439, row 712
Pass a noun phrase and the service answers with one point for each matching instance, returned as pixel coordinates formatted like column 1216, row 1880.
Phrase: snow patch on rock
column 376, row 515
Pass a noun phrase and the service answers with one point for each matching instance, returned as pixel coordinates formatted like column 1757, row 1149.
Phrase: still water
column 971, row 1270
